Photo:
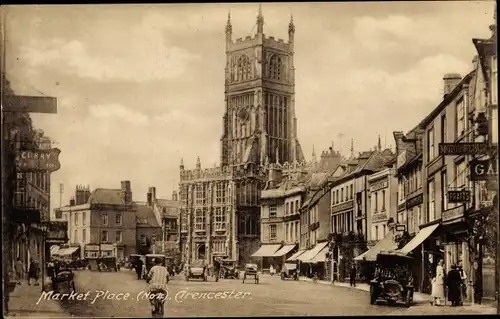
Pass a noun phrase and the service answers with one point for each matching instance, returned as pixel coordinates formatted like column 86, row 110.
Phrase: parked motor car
column 251, row 270
column 393, row 280
column 228, row 269
column 289, row 271
column 196, row 270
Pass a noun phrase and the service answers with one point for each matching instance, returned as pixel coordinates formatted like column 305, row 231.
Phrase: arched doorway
column 200, row 253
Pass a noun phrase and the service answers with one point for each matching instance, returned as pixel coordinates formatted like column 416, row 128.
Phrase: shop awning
column 54, row 249
column 266, row 251
column 320, row 257
column 422, row 235
column 284, row 250
column 310, row 254
column 385, row 244
column 296, row 255
column 66, row 251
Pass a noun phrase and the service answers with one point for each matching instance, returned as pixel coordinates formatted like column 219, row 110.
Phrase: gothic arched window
column 243, row 67
column 275, row 68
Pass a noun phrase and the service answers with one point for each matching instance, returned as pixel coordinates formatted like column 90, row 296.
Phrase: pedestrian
column 34, row 272
column 453, row 282
column 352, row 276
column 438, row 284
column 463, row 287
column 19, row 270
column 50, row 269
column 138, row 268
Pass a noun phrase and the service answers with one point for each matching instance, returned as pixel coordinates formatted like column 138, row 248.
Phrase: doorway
column 201, row 252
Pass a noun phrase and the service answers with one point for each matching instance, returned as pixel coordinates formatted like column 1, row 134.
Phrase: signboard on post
column 39, row 160
column 463, row 148
column 459, row 196
column 483, row 170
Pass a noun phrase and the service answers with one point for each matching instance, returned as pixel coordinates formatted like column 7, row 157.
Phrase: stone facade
column 220, row 207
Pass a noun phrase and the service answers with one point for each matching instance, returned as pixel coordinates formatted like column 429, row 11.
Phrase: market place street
column 270, row 297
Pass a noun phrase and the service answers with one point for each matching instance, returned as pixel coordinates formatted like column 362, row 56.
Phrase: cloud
column 139, row 54
column 117, row 111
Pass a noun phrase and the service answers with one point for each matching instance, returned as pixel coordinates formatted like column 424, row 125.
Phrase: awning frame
column 419, row 238
column 379, row 246
column 262, row 251
column 311, row 253
column 284, row 250
column 316, row 258
column 295, row 256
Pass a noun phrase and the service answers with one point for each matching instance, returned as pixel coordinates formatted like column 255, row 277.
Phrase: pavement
column 120, row 294
column 418, row 297
column 23, row 303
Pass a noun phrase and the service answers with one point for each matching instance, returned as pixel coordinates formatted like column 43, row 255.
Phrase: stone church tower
column 220, row 206
column 259, row 120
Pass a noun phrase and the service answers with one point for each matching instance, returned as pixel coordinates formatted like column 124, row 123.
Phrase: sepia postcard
column 250, row 159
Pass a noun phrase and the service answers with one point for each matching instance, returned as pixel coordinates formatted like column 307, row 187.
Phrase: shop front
column 426, row 247
column 313, row 260
column 283, row 253
column 264, row 256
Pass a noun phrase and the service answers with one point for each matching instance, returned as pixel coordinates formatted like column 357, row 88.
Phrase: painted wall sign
column 343, row 206
column 414, row 201
column 39, row 160
column 459, row 196
column 463, row 148
column 483, row 170
column 377, row 218
column 379, row 185
column 435, row 166
column 453, row 213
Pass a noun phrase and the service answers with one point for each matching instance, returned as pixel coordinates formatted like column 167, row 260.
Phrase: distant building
column 167, row 216
column 101, row 222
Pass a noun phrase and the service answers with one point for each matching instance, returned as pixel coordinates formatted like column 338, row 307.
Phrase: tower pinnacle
column 379, row 144
column 260, row 21
column 229, row 27
column 314, row 155
column 352, row 148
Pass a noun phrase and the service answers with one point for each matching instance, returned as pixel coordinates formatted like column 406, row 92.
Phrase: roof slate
column 145, row 216
column 106, row 196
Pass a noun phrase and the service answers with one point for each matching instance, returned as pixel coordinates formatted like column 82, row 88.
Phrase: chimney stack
column 450, row 80
column 174, row 196
column 126, row 192
column 72, row 201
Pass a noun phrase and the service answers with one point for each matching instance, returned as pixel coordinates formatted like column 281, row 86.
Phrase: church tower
column 259, row 120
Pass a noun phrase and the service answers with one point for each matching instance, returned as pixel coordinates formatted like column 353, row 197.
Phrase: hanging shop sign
column 463, row 148
column 38, row 160
column 483, row 170
column 459, row 196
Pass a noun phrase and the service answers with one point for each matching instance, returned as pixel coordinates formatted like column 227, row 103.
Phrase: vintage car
column 289, row 271
column 228, row 269
column 251, row 270
column 393, row 280
column 108, row 264
column 196, row 270
column 64, row 281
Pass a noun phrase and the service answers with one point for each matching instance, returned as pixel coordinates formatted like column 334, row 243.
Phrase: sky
column 141, row 86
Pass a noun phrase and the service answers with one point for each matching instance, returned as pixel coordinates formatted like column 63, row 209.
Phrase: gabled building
column 166, row 212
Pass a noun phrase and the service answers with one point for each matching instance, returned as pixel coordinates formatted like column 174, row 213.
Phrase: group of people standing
column 455, row 282
column 33, row 271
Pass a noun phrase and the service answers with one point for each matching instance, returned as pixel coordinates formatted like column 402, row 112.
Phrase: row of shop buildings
column 108, row 222
column 432, row 199
column 28, row 160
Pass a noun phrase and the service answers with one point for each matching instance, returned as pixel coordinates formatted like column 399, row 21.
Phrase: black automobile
column 289, row 271
column 228, row 269
column 393, row 280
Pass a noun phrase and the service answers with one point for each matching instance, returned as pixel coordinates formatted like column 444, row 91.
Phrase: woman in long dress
column 438, row 284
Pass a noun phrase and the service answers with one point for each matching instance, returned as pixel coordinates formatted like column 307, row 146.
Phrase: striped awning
column 266, row 250
column 296, row 255
column 284, row 250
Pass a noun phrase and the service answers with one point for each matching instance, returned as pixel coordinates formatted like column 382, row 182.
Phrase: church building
column 220, row 207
